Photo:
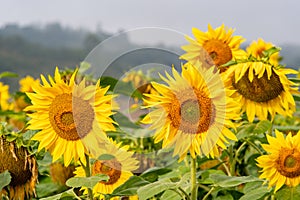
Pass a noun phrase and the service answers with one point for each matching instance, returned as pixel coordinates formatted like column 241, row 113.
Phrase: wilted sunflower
column 282, row 164
column 72, row 118
column 118, row 169
column 261, row 89
column 27, row 82
column 256, row 49
column 4, row 97
column 22, row 168
column 214, row 47
column 192, row 113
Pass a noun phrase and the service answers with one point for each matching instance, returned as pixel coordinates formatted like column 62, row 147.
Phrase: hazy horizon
column 274, row 21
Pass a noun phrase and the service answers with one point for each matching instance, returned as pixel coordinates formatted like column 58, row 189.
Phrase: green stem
column 208, row 193
column 235, row 158
column 88, row 174
column 231, row 160
column 183, row 192
column 270, row 131
column 292, row 193
column 193, row 179
column 225, row 166
column 255, row 147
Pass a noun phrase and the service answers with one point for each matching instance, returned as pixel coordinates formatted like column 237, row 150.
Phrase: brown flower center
column 111, row 168
column 288, row 162
column 71, row 117
column 219, row 51
column 260, row 89
column 192, row 111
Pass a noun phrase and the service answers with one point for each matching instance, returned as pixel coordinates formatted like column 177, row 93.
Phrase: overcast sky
column 277, row 21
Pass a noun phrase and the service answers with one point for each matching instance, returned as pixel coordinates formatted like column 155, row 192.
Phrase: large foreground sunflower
column 71, row 118
column 282, row 165
column 256, row 49
column 214, row 47
column 261, row 89
column 118, row 169
column 192, row 113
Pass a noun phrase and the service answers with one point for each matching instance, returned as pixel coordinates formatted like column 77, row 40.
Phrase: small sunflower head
column 27, row 82
column 22, row 168
column 281, row 166
column 258, row 49
column 214, row 47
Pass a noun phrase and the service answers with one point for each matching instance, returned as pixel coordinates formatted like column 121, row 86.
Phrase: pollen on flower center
column 71, row 117
column 219, row 51
column 67, row 118
column 288, row 163
column 192, row 112
column 260, row 89
column 111, row 168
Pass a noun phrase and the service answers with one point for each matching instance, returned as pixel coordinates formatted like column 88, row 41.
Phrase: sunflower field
column 223, row 125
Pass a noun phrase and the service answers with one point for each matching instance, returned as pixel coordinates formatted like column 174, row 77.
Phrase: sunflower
column 282, row 164
column 214, row 47
column 118, row 168
column 71, row 118
column 139, row 81
column 26, row 83
column 22, row 168
column 256, row 49
column 261, row 89
column 192, row 113
column 4, row 97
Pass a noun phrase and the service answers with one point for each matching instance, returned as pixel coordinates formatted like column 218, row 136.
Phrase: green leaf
column 69, row 194
column 225, row 197
column 8, row 74
column 295, row 80
column 271, row 51
column 123, row 121
column 106, row 157
column 84, row 66
column 262, row 127
column 152, row 174
column 5, row 179
column 88, row 182
column 285, row 193
column 108, row 81
column 255, row 193
column 130, row 187
column 253, row 129
column 296, row 97
column 155, row 188
column 231, row 181
column 170, row 195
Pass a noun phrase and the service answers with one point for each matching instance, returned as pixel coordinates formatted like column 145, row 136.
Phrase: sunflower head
column 72, row 118
column 22, row 168
column 4, row 97
column 281, row 166
column 192, row 112
column 214, row 47
column 262, row 89
column 257, row 48
column 27, row 82
column 118, row 168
